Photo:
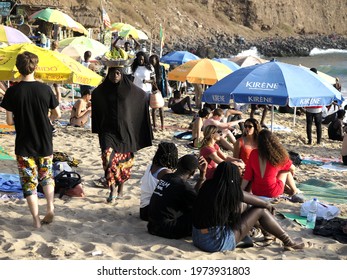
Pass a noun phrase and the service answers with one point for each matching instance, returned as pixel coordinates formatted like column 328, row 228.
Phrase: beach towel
column 10, row 183
column 184, row 135
column 320, row 161
column 323, row 191
column 7, row 129
column 337, row 166
column 294, row 217
column 5, row 155
column 278, row 127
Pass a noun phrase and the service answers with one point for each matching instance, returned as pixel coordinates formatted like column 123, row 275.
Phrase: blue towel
column 10, row 183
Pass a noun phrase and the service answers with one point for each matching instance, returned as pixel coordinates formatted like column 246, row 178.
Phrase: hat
column 188, row 162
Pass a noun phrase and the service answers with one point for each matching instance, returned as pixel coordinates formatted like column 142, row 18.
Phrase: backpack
column 68, row 183
column 295, row 158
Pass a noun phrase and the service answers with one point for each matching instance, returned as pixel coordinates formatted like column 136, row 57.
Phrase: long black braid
column 166, row 155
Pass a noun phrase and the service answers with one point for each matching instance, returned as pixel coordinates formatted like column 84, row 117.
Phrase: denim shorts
column 214, row 239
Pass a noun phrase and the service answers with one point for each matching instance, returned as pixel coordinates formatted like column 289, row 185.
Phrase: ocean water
column 330, row 61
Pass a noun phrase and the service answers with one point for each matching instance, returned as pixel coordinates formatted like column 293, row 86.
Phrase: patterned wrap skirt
column 117, row 167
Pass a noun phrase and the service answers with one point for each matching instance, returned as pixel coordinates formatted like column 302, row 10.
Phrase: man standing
column 120, row 117
column 170, row 207
column 314, row 113
column 32, row 106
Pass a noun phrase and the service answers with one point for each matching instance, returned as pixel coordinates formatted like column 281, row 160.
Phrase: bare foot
column 47, row 219
column 37, row 222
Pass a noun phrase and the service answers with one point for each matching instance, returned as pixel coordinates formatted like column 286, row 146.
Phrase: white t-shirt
column 143, row 73
column 148, row 184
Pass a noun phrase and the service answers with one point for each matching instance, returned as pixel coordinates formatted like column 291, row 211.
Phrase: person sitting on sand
column 170, row 207
column 221, row 220
column 248, row 141
column 178, row 104
column 197, row 125
column 336, row 127
column 212, row 153
column 164, row 161
column 270, row 171
column 344, row 147
column 81, row 110
column 228, row 139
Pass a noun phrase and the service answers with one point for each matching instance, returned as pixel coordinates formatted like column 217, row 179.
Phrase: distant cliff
column 195, row 22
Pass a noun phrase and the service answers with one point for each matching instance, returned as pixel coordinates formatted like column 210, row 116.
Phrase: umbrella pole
column 73, row 93
column 272, row 117
column 294, row 116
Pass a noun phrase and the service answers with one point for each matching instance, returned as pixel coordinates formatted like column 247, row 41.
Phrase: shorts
column 34, row 171
column 214, row 239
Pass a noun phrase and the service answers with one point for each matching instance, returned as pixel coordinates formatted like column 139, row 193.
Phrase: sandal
column 110, row 198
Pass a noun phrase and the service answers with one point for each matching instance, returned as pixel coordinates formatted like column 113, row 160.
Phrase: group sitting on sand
column 231, row 194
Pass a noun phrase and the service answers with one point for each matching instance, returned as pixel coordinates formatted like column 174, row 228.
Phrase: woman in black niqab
column 120, row 117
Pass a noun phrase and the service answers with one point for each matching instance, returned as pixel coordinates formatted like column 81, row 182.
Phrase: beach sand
column 90, row 229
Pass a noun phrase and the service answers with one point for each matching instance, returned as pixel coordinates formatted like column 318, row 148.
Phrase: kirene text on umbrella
column 259, row 85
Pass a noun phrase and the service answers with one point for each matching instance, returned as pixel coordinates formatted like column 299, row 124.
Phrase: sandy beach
column 90, row 229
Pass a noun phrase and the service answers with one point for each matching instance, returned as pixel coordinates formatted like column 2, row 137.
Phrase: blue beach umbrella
column 178, row 57
column 232, row 65
column 273, row 83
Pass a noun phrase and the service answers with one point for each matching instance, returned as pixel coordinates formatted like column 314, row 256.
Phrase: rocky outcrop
column 275, row 27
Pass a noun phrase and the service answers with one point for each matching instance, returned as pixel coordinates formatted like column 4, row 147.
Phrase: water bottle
column 312, row 214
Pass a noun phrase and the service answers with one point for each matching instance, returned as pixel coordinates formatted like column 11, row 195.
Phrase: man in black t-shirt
column 170, row 207
column 28, row 105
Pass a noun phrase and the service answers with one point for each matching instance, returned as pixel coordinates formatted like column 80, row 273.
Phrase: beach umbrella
column 331, row 80
column 91, row 44
column 10, row 36
column 136, row 33
column 77, row 51
column 117, row 26
column 201, row 71
column 248, row 60
column 273, row 83
column 58, row 17
column 232, row 65
column 178, row 57
column 52, row 67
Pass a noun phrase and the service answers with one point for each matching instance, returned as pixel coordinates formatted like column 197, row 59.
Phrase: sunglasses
column 248, row 126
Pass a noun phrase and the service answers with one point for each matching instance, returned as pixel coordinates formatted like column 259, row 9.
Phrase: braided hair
column 166, row 155
column 227, row 203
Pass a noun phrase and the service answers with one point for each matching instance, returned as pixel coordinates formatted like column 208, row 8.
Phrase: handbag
column 156, row 99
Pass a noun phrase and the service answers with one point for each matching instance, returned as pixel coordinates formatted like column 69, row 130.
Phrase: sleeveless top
column 245, row 151
column 148, row 183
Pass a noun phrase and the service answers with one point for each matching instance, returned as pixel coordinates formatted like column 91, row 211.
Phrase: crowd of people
column 241, row 164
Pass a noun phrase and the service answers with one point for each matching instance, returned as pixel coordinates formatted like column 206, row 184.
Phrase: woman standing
column 212, row 152
column 248, row 141
column 270, row 171
column 160, row 84
column 219, row 221
column 121, row 120
column 143, row 73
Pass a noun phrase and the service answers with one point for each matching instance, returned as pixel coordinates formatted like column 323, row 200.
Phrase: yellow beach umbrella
column 136, row 33
column 200, row 71
column 52, row 67
column 117, row 26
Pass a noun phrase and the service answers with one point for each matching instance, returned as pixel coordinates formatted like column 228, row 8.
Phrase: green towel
column 324, row 191
column 294, row 217
column 4, row 155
